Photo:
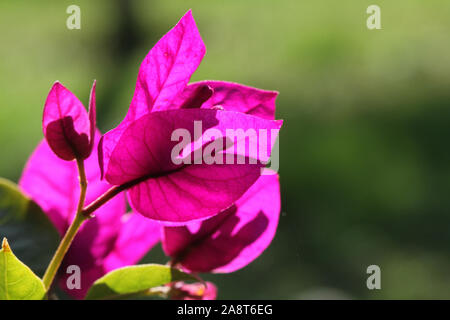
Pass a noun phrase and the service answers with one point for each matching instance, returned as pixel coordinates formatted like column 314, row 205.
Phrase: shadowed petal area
column 193, row 96
column 229, row 96
column 232, row 239
column 67, row 126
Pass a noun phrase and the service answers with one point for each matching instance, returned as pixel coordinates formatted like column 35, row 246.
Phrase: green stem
column 71, row 232
column 108, row 195
column 81, row 216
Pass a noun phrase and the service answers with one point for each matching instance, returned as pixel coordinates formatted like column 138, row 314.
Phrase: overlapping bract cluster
column 139, row 149
column 209, row 217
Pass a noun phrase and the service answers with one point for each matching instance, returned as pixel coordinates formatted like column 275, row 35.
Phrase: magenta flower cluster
column 208, row 217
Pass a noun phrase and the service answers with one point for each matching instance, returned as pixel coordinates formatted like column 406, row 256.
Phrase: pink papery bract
column 232, row 239
column 167, row 68
column 169, row 192
column 68, row 128
column 163, row 74
column 109, row 240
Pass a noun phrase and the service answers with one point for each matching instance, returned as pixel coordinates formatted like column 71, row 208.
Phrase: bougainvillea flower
column 138, row 152
column 108, row 241
column 193, row 291
column 232, row 239
column 68, row 128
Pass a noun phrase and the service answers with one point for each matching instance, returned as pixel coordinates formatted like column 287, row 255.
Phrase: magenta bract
column 167, row 68
column 68, row 128
column 183, row 192
column 139, row 151
column 163, row 74
column 233, row 238
column 105, row 242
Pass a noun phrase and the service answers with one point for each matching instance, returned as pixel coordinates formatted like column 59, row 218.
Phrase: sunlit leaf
column 17, row 281
column 133, row 280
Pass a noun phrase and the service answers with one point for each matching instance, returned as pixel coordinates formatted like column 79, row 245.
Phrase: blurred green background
column 365, row 160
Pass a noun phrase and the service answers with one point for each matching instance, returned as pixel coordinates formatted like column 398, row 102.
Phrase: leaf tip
column 5, row 245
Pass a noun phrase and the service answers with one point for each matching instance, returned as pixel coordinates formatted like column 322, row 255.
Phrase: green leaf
column 24, row 224
column 134, row 280
column 17, row 281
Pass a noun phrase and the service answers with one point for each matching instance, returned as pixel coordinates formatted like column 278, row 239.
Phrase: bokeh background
column 365, row 160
